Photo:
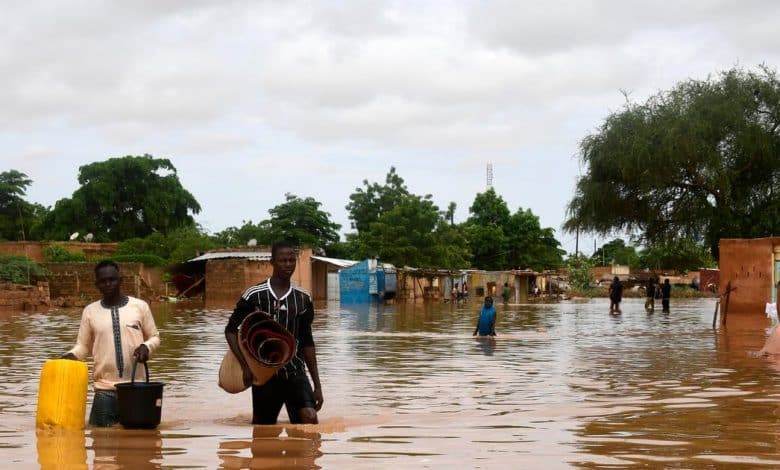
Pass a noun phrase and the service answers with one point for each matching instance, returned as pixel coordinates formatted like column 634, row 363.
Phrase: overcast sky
column 252, row 99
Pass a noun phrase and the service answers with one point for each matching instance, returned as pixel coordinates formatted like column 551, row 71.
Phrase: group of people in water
column 119, row 329
column 653, row 290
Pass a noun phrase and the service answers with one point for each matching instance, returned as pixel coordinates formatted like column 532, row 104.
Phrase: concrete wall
column 749, row 265
column 34, row 250
column 17, row 297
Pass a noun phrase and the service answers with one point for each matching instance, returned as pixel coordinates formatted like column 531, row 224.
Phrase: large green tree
column 616, row 252
column 302, row 222
column 500, row 240
column 530, row 245
column 122, row 198
column 486, row 225
column 17, row 216
column 367, row 204
column 698, row 162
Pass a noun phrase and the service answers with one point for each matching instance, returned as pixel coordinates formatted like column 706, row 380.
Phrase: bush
column 146, row 260
column 20, row 269
column 57, row 253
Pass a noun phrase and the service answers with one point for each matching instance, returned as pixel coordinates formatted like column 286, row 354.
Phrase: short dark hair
column 281, row 244
column 106, row 263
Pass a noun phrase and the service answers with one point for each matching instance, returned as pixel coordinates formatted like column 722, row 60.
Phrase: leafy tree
column 367, row 204
column 529, row 245
column 680, row 255
column 17, row 216
column 240, row 236
column 698, row 162
column 499, row 240
column 302, row 222
column 617, row 252
column 120, row 198
column 404, row 235
column 176, row 247
column 579, row 271
column 485, row 228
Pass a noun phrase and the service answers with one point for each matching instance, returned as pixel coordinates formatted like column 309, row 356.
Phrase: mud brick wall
column 34, row 250
column 709, row 277
column 227, row 278
column 77, row 281
column 17, row 297
column 748, row 264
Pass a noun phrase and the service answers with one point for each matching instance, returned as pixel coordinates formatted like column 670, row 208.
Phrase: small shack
column 752, row 268
column 367, row 281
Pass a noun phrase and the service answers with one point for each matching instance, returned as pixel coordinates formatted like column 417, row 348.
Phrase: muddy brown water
column 406, row 386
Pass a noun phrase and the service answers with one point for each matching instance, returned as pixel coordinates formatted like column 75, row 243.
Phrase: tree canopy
column 17, row 216
column 299, row 220
column 123, row 198
column 500, row 240
column 698, row 162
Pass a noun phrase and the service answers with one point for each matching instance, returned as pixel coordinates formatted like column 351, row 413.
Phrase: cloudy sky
column 253, row 99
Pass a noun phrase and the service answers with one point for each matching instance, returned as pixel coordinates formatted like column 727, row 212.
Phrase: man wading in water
column 290, row 306
column 113, row 330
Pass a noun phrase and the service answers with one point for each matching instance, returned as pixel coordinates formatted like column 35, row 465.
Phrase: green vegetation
column 58, row 253
column 698, row 163
column 121, row 198
column 20, row 270
column 17, row 216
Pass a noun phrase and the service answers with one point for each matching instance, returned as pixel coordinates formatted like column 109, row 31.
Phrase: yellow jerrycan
column 62, row 395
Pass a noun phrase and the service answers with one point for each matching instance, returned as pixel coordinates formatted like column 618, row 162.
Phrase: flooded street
column 406, row 386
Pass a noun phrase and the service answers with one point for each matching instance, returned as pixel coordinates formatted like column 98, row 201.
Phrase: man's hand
column 141, row 353
column 318, row 399
column 69, row 355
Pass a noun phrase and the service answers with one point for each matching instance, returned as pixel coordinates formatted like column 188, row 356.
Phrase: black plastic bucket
column 140, row 403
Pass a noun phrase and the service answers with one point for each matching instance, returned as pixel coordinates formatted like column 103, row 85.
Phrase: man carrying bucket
column 116, row 329
column 291, row 306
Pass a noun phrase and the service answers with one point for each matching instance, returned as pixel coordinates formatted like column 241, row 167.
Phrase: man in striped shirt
column 291, row 306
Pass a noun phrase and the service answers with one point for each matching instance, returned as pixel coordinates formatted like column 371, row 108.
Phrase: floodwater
column 406, row 386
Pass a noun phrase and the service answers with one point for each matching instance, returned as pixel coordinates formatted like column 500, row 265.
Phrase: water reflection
column 116, row 448
column 293, row 447
column 61, row 449
column 487, row 344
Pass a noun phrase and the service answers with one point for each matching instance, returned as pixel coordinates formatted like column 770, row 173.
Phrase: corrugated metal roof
column 253, row 255
column 342, row 263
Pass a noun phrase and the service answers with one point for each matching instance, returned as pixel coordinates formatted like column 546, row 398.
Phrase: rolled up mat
column 231, row 377
column 265, row 345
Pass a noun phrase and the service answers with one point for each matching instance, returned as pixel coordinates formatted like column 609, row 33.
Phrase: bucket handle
column 146, row 366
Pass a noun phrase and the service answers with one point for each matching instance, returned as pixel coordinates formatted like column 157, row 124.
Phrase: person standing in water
column 666, row 293
column 291, row 306
column 115, row 331
column 615, row 295
column 650, row 293
column 486, row 324
column 505, row 292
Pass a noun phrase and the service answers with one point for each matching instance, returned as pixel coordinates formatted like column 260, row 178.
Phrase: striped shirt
column 292, row 309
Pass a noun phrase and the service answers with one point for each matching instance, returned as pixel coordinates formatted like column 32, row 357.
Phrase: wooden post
column 726, row 307
column 715, row 314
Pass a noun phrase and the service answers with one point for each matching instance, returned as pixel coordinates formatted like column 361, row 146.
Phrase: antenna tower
column 489, row 175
